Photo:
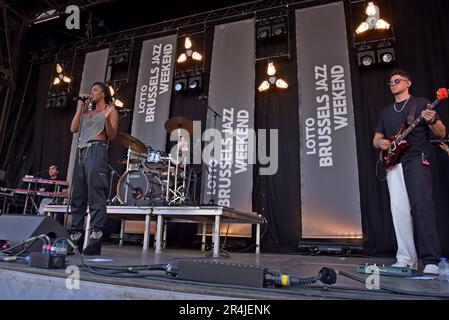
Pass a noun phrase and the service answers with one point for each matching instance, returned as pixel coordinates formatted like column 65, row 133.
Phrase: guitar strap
column 411, row 114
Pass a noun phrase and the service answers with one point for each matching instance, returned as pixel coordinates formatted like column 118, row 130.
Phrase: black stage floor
column 160, row 286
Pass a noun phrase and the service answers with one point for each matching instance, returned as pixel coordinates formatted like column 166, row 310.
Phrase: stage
column 18, row 281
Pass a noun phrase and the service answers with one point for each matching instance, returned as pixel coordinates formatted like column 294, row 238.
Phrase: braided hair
column 105, row 89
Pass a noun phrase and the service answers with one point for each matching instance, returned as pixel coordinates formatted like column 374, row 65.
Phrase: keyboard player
column 53, row 173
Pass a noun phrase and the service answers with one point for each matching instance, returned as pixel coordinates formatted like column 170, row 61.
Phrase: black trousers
column 90, row 186
column 418, row 182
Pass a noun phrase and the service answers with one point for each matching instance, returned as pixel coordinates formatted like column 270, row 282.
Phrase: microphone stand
column 215, row 114
column 113, row 172
column 69, row 199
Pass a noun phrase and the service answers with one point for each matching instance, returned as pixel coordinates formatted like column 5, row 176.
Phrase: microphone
column 82, row 98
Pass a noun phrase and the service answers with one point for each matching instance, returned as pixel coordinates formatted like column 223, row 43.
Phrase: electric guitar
column 398, row 144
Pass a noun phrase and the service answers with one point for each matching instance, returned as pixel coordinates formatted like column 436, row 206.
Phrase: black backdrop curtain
column 422, row 47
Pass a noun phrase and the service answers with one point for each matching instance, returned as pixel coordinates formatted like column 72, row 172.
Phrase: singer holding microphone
column 96, row 120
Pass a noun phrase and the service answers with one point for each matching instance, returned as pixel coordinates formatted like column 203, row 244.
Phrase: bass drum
column 137, row 188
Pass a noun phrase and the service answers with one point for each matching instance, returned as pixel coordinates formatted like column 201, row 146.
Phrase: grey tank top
column 91, row 127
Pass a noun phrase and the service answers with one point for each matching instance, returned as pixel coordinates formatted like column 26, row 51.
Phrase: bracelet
column 433, row 122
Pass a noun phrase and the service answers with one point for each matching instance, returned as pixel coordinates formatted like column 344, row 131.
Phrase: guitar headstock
column 442, row 93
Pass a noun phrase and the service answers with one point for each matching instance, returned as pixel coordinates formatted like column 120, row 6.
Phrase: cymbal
column 131, row 161
column 128, row 141
column 179, row 123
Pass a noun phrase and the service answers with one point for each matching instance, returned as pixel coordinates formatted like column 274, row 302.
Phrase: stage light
column 263, row 32
column 196, row 56
column 60, row 76
column 188, row 43
column 61, row 101
column 362, row 28
column 182, row 58
column 373, row 20
column 180, row 85
column 279, row 29
column 273, row 80
column 271, row 70
column 51, row 102
column 382, row 24
column 280, row 83
column 386, row 55
column 189, row 53
column 115, row 101
column 367, row 61
column 119, row 104
column 195, row 83
column 372, row 10
column 264, row 86
column 387, row 58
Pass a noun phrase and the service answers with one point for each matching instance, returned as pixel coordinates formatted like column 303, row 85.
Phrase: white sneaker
column 401, row 264
column 431, row 269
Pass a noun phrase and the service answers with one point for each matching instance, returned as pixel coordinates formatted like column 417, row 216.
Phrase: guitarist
column 409, row 181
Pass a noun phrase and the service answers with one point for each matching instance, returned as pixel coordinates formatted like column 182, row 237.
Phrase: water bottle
column 444, row 270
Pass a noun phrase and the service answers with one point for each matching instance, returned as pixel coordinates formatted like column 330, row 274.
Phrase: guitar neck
column 415, row 123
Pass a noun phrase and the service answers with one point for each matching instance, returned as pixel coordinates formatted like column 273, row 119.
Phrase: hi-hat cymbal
column 128, row 141
column 179, row 123
column 131, row 161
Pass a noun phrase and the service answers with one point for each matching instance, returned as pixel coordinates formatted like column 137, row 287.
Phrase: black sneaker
column 77, row 237
column 94, row 246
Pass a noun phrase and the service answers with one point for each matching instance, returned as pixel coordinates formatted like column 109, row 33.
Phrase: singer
column 96, row 120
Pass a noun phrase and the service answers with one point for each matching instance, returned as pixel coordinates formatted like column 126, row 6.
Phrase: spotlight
column 195, row 84
column 122, row 58
column 367, row 61
column 180, row 85
column 386, row 56
column 366, row 58
column 51, row 102
column 279, row 29
column 263, row 32
column 61, row 102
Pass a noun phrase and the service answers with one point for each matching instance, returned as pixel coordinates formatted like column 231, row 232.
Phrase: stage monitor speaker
column 15, row 229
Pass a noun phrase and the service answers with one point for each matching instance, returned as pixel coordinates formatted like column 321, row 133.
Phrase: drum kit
column 153, row 177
